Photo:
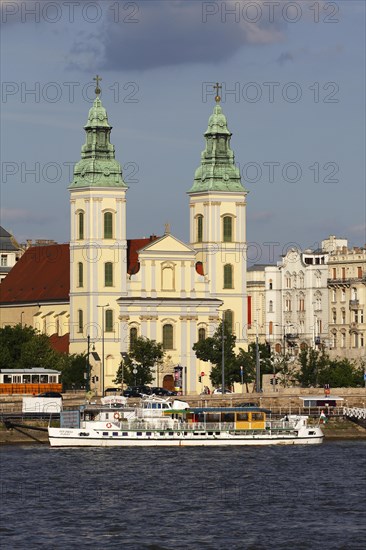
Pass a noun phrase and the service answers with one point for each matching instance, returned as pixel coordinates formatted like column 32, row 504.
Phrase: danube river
column 292, row 498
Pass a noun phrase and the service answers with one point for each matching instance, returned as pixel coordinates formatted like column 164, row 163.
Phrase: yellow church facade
column 160, row 287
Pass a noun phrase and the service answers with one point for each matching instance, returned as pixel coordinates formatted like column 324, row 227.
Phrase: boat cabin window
column 228, row 417
column 257, row 416
column 240, row 417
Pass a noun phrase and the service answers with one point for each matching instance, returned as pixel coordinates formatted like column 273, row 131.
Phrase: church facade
column 160, row 288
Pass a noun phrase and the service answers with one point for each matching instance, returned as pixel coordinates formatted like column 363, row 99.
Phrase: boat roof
column 198, row 410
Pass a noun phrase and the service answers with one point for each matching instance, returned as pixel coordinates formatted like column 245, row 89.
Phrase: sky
column 293, row 92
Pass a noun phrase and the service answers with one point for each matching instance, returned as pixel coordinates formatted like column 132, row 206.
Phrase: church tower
column 98, row 244
column 218, row 222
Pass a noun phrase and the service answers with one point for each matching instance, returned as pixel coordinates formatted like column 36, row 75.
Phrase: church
column 108, row 290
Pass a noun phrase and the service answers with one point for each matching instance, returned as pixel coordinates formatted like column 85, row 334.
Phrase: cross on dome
column 217, row 87
column 97, row 89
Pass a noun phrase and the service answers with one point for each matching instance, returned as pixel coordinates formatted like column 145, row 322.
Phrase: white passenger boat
column 158, row 422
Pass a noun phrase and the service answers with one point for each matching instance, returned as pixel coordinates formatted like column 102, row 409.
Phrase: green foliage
column 318, row 369
column 12, row 340
column 287, row 370
column 210, row 350
column 143, row 356
column 340, row 373
column 25, row 348
column 73, row 368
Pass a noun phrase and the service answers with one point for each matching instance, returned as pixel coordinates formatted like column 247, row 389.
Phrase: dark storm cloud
column 173, row 33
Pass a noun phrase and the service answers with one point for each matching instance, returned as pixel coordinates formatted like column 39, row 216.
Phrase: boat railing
column 140, row 424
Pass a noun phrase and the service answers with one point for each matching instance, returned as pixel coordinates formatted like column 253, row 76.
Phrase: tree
column 340, row 373
column 311, row 363
column 210, row 350
column 73, row 369
column 287, row 371
column 25, row 348
column 143, row 356
column 12, row 340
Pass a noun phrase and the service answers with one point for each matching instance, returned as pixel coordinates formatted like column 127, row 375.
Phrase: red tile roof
column 60, row 343
column 133, row 246
column 43, row 273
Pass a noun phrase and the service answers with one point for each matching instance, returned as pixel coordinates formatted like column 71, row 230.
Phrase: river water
column 293, row 498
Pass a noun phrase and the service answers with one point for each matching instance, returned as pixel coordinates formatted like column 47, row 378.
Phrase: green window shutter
column 80, row 274
column 228, row 276
column 81, row 225
column 108, row 274
column 109, row 320
column 229, row 319
column 227, row 229
column 108, row 225
column 168, row 336
column 80, row 320
column 199, row 229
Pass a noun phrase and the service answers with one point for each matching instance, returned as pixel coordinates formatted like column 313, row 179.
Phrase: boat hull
column 58, row 438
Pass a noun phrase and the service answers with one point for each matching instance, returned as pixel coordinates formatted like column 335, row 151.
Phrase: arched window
column 133, row 336
column 271, row 327
column 229, row 319
column 108, row 274
column 228, row 276
column 201, row 334
column 80, row 320
column 199, row 228
column 227, row 229
column 80, row 274
column 270, row 284
column 109, row 320
column 108, row 225
column 168, row 336
column 80, row 225
column 270, row 306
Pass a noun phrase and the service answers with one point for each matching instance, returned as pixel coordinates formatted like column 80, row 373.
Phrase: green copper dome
column 217, row 171
column 98, row 166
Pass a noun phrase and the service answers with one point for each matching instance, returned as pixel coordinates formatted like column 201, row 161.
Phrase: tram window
column 114, row 433
column 44, row 378
column 7, row 379
column 228, row 417
column 171, row 434
column 242, row 417
column 26, row 378
column 105, row 433
column 17, row 379
column 138, row 433
column 35, row 378
column 125, row 434
column 257, row 416
column 148, row 433
column 52, row 379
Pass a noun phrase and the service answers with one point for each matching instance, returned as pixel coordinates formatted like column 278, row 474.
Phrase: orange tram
column 29, row 381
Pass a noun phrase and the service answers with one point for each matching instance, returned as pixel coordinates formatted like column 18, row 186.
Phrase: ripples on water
column 161, row 499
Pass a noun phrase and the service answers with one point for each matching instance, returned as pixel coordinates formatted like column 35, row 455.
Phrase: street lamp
column 102, row 373
column 242, row 378
column 124, row 355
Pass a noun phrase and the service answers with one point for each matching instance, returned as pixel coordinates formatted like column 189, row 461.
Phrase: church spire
column 217, row 171
column 98, row 166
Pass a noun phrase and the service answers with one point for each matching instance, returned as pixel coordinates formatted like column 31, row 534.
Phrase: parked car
column 137, row 391
column 162, row 391
column 53, row 394
column 219, row 390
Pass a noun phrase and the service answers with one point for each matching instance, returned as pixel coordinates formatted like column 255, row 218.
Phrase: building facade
column 297, row 299
column 347, row 302
column 10, row 252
